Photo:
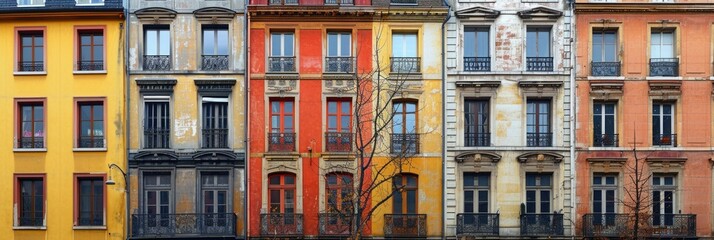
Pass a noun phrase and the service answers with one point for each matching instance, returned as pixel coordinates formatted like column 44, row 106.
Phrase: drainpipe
column 127, row 133
column 443, row 121
column 246, row 111
column 573, row 116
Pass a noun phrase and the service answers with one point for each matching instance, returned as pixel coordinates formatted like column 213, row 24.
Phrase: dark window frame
column 93, row 34
column 19, row 201
column 33, row 35
column 20, row 104
column 283, row 187
column 401, row 189
column 99, row 180
column 93, row 103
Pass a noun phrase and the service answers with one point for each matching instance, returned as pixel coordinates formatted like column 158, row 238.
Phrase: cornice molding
column 643, row 7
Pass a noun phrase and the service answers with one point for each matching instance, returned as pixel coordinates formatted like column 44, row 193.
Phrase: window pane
column 222, row 42
column 345, row 44
column 470, row 42
column 165, row 42
column 288, row 45
column 332, row 44
column 209, row 40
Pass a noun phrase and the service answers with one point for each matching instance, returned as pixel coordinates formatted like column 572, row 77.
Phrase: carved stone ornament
column 156, row 156
column 479, row 156
column 540, row 157
column 215, row 86
column 156, row 85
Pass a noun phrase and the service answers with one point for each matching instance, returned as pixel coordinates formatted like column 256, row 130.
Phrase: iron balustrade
column 477, row 224
column 91, row 142
column 215, row 137
column 156, row 138
column 673, row 225
column 539, row 139
column 606, row 140
column 539, row 64
column 37, row 221
column 335, row 224
column 542, row 224
column 606, row 225
column 477, row 139
column 281, row 64
column 340, row 2
column 31, row 142
column 664, row 67
column 411, row 2
column 605, row 69
column 157, row 62
column 283, row 2
column 405, row 64
column 183, row 224
column 281, row 142
column 31, row 66
column 281, row 224
column 90, row 65
column 664, row 140
column 214, row 62
column 339, row 64
column 477, row 64
column 405, row 225
column 338, row 141
column 405, row 143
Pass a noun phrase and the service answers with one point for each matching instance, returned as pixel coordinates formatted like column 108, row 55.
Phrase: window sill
column 89, row 149
column 29, row 73
column 89, row 72
column 606, row 78
column 39, row 5
column 89, row 4
column 29, row 149
column 663, row 78
column 29, row 228
column 89, row 227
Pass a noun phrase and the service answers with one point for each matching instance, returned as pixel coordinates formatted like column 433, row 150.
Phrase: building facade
column 186, row 119
column 508, row 110
column 62, row 103
column 644, row 96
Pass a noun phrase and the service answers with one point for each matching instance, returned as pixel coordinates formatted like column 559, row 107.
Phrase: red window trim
column 282, row 187
column 16, row 192
column 77, row 102
column 18, row 44
column 76, row 178
column 77, row 42
column 17, row 124
column 404, row 177
column 338, row 187
column 281, row 114
column 338, row 114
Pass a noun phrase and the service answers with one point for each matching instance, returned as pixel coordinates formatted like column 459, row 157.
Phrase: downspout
column 443, row 121
column 573, row 116
column 246, row 135
column 127, row 96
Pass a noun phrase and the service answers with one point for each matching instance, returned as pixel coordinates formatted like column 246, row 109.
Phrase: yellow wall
column 60, row 86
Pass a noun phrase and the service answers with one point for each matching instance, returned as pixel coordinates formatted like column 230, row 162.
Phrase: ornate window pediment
column 215, row 156
column 156, row 156
column 478, row 13
column 540, row 157
column 165, row 86
column 214, row 14
column 157, row 14
column 215, row 87
column 540, row 13
column 478, row 156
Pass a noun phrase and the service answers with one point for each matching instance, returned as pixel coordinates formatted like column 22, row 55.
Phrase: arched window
column 339, row 192
column 405, row 199
column 281, row 193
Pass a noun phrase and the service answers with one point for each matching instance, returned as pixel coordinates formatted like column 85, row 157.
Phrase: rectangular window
column 604, row 199
column 91, row 50
column 662, row 44
column 538, row 49
column 215, row 48
column 90, row 201
column 282, row 124
column 90, row 2
column 476, row 123
column 339, row 125
column 404, row 199
column 663, row 133
column 25, row 3
column 404, row 53
column 476, row 49
column 157, row 122
column 605, row 45
column 30, row 124
column 157, row 47
column 339, row 44
column 282, row 52
column 476, row 192
column 31, row 200
column 538, row 123
column 215, row 122
column 664, row 197
column 281, row 189
column 605, row 124
column 31, row 52
column 90, row 118
column 539, row 187
column 405, row 138
column 157, row 199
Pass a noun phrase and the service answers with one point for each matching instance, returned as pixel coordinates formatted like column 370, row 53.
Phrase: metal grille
column 542, row 224
column 477, row 139
column 539, row 64
column 405, row 143
column 186, row 224
column 335, row 224
column 539, row 139
column 339, row 64
column 31, row 66
column 477, row 64
column 214, row 62
column 281, row 224
column 405, row 64
column 674, row 225
column 340, row 2
column 157, row 62
column 664, row 67
column 31, row 142
column 281, row 142
column 403, row 1
column 338, row 141
column 664, row 140
column 603, row 69
column 91, row 142
column 477, row 224
column 405, row 225
column 605, row 140
column 281, row 64
column 90, row 65
column 604, row 225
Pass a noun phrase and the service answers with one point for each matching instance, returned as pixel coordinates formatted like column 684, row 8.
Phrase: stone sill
column 89, row 149
column 89, row 227
column 30, row 73
column 29, row 228
column 89, row 72
column 664, row 78
column 620, row 78
column 29, row 149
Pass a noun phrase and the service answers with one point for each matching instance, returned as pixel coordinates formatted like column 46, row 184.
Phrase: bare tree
column 638, row 193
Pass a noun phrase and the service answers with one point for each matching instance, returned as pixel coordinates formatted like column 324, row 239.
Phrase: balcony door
column 476, row 200
column 215, row 122
column 404, row 127
column 604, row 124
column 664, row 197
column 282, row 203
column 404, row 53
column 663, row 124
column 282, row 124
column 157, row 203
column 215, row 201
column 340, row 209
column 157, row 122
column 604, row 199
column 539, row 132
column 476, row 123
column 339, row 124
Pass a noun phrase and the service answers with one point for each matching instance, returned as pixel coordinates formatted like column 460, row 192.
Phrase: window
column 476, row 118
column 404, row 53
column 405, row 198
column 157, row 47
column 157, row 199
column 538, row 192
column 31, row 200
column 339, row 193
column 604, row 124
column 25, row 3
column 538, row 123
column 476, row 49
column 30, row 124
column 215, row 192
column 91, row 124
column 91, row 50
column 339, row 52
column 664, row 197
column 663, row 61
column 281, row 193
column 605, row 45
column 282, row 127
column 604, row 199
column 538, row 49
column 215, row 48
column 476, row 192
column 90, row 201
column 157, row 122
column 90, row 2
column 215, row 122
column 32, row 51
column 282, row 52
column 663, row 124
column 404, row 127
column 339, row 125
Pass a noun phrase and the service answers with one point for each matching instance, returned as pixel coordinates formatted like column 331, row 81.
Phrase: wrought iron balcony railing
column 90, row 65
column 283, row 2
column 477, row 139
column 31, row 66
column 664, row 140
column 156, row 138
column 339, row 2
column 36, row 221
column 405, row 225
column 405, row 143
column 405, row 64
column 539, row 64
column 477, row 64
column 31, row 142
column 281, row 224
column 606, row 225
column 171, row 226
column 542, row 224
column 335, row 224
column 477, row 224
column 605, row 69
column 664, row 67
column 339, row 64
column 605, row 140
column 91, row 142
column 411, row 2
column 539, row 139
column 157, row 62
column 673, row 226
column 281, row 142
column 215, row 137
column 214, row 62
column 338, row 141
column 281, row 64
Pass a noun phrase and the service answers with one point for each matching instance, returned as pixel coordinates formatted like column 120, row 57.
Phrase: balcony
column 405, row 225
column 403, row 2
column 30, row 142
column 281, row 224
column 338, row 141
column 339, row 2
column 673, row 226
column 90, row 65
column 477, row 224
column 405, row 64
column 405, row 143
column 157, row 138
column 605, row 140
column 477, row 139
column 539, row 139
column 664, row 140
column 335, row 224
column 171, row 226
column 157, row 62
column 91, row 142
column 477, row 64
column 281, row 64
column 215, row 138
column 664, row 67
column 542, row 224
column 339, row 64
column 607, row 225
column 31, row 66
column 283, row 2
column 214, row 62
column 539, row 64
column 605, row 69
column 281, row 142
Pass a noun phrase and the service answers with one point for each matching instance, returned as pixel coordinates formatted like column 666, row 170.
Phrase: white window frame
column 662, row 115
column 281, row 36
column 661, row 189
column 88, row 3
column 404, row 45
column 662, row 33
column 603, row 187
column 538, row 189
column 339, row 35
column 603, row 115
column 34, row 3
